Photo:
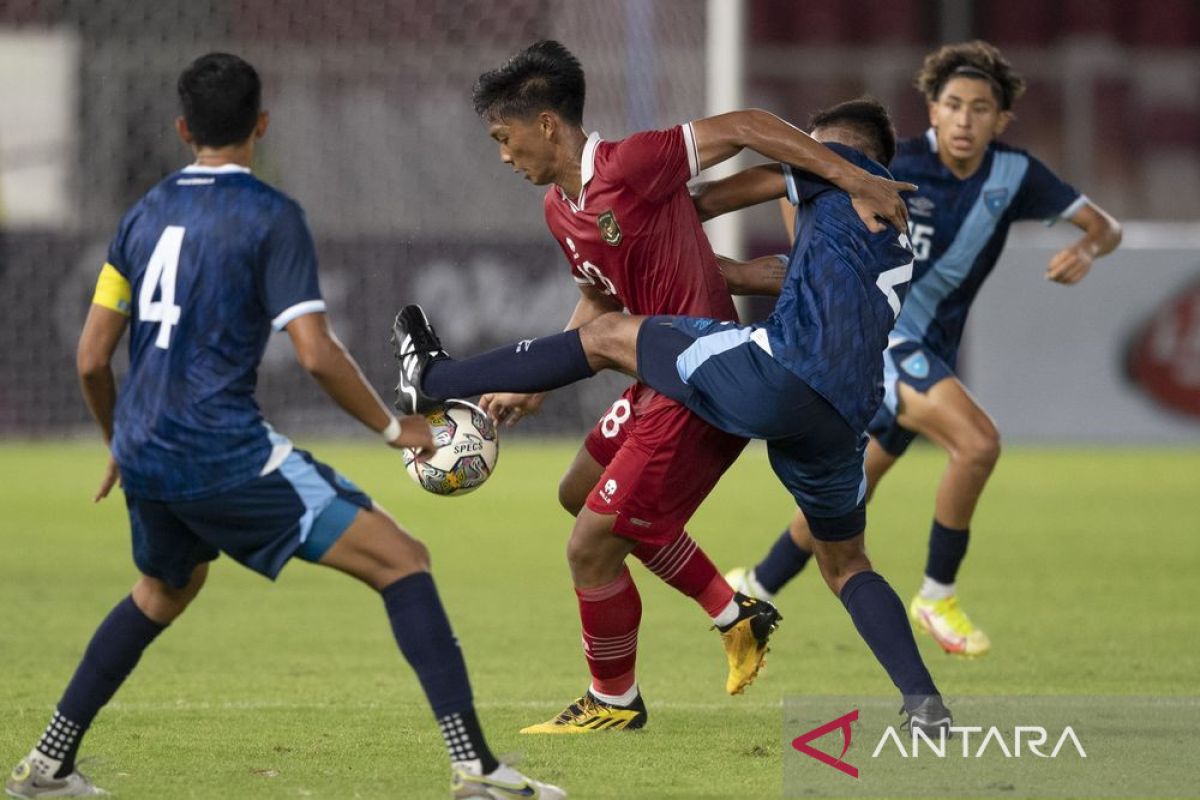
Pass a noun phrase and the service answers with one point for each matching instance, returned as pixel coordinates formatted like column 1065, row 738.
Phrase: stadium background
column 373, row 132
column 1083, row 559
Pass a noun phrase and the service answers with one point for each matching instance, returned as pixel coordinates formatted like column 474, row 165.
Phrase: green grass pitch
column 1082, row 570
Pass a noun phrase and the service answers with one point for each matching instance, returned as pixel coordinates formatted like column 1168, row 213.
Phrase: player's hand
column 112, row 477
column 1070, row 265
column 508, row 408
column 876, row 198
column 416, row 434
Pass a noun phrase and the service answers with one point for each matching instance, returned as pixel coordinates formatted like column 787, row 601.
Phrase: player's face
column 525, row 147
column 966, row 116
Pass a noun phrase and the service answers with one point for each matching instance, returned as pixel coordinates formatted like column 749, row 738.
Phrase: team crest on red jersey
column 610, row 231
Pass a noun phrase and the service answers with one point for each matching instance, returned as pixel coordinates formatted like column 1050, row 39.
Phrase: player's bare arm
column 510, row 407
column 1102, row 234
column 324, row 357
column 102, row 331
column 725, row 135
column 741, row 190
column 760, row 276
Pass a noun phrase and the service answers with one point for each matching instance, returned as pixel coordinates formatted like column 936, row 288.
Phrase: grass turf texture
column 1081, row 570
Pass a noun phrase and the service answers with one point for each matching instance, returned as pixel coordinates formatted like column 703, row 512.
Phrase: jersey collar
column 221, row 170
column 587, row 169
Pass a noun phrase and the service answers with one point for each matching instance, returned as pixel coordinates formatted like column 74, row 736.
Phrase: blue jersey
column 958, row 228
column 214, row 259
column 839, row 301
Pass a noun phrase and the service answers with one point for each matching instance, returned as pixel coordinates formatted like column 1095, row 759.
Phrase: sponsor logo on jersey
column 995, row 200
column 920, row 206
column 609, row 489
column 916, row 365
column 610, row 231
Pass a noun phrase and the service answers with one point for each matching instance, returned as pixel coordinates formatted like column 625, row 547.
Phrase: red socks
column 610, row 615
column 683, row 565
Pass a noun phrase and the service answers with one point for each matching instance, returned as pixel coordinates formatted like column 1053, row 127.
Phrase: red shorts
column 660, row 462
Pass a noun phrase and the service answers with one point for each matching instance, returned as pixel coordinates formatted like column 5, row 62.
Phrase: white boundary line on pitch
column 257, row 705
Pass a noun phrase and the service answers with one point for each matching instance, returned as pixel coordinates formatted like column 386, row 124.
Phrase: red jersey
column 634, row 233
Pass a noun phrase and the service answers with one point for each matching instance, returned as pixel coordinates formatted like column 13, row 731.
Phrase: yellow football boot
column 949, row 626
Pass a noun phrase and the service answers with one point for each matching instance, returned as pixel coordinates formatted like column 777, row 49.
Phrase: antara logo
column 973, row 742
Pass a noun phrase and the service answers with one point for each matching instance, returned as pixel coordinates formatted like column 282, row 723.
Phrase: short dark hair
column 221, row 97
column 543, row 76
column 868, row 120
column 977, row 59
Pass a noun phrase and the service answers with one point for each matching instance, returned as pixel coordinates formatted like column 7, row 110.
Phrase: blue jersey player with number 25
column 972, row 188
column 201, row 271
column 807, row 381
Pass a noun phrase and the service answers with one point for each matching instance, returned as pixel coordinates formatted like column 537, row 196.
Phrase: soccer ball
column 468, row 448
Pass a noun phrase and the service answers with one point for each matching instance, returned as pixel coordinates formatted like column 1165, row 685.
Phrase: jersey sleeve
column 1046, row 196
column 800, row 184
column 288, row 282
column 656, row 163
column 113, row 288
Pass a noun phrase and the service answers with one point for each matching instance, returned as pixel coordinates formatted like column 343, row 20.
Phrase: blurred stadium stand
column 372, row 131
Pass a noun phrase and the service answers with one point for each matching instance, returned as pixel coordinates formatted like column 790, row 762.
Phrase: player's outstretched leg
column 745, row 624
column 115, row 649
column 377, row 551
column 415, row 345
column 879, row 616
column 428, row 376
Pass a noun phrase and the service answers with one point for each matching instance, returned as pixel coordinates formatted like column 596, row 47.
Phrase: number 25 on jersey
column 160, row 274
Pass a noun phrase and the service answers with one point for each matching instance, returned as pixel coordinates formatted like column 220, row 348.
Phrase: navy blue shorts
column 908, row 363
column 724, row 373
column 299, row 509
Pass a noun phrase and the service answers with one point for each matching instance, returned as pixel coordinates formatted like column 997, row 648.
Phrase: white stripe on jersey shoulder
column 221, row 170
column 587, row 166
column 1074, row 208
column 693, row 151
column 298, row 310
column 587, row 170
column 931, row 138
column 789, row 180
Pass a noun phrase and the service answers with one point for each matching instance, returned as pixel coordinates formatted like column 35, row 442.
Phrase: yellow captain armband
column 113, row 291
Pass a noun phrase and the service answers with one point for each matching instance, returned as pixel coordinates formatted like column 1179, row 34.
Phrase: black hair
column 221, row 96
column 543, row 76
column 977, row 59
column 868, row 120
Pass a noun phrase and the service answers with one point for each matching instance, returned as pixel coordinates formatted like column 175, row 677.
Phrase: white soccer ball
column 468, row 448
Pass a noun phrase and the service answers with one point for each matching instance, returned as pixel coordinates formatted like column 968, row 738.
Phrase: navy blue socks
column 111, row 655
column 782, row 563
column 947, row 548
column 423, row 632
column 879, row 616
column 531, row 365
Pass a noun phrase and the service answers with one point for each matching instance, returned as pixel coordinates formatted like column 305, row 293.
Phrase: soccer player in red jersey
column 623, row 216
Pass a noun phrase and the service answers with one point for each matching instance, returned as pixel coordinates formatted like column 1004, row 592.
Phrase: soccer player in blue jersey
column 972, row 188
column 807, row 381
column 201, row 271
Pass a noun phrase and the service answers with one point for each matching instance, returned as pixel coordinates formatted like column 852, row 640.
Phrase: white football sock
column 616, row 699
column 932, row 590
column 757, row 588
column 728, row 615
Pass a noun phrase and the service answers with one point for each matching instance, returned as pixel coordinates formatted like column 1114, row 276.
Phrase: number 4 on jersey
column 160, row 274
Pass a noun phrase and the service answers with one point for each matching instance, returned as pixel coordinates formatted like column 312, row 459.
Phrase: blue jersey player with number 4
column 201, row 271
column 807, row 381
column 972, row 188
